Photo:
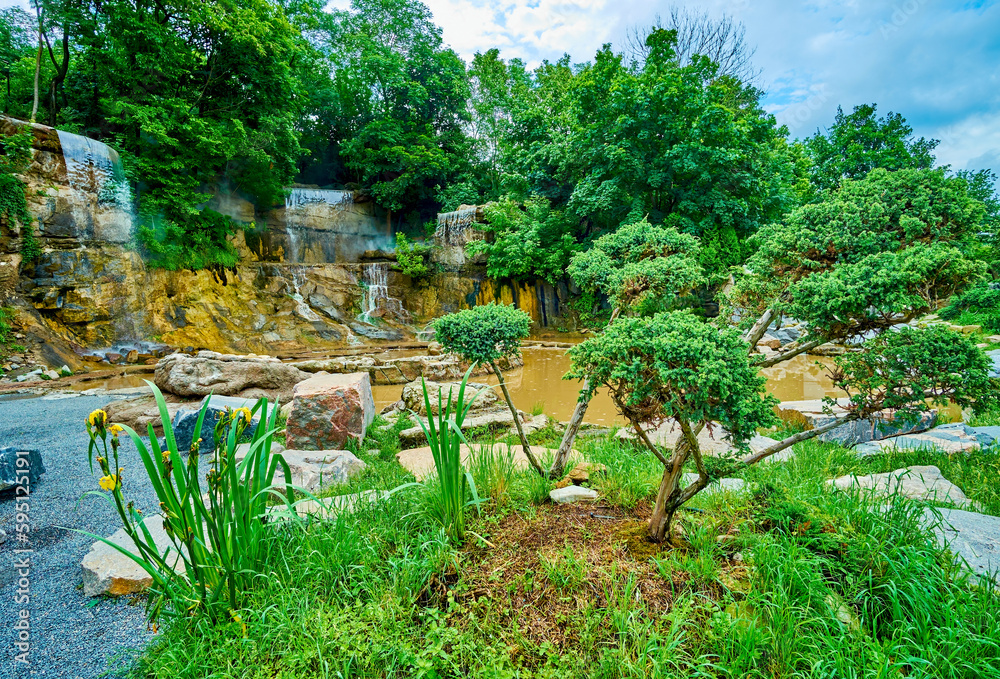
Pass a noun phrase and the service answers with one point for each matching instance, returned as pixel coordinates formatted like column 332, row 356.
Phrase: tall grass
column 217, row 532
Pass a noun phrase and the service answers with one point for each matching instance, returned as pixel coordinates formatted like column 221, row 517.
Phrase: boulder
column 420, row 461
column 923, row 483
column 496, row 419
column 140, row 412
column 413, row 396
column 227, row 375
column 973, row 538
column 315, row 469
column 108, row 571
column 711, row 441
column 813, row 414
column 949, row 438
column 571, row 494
column 328, row 410
column 187, row 417
column 994, row 357
column 18, row 465
column 733, row 485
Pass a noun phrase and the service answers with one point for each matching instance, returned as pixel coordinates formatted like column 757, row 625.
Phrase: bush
column 14, row 160
column 216, row 533
column 7, row 344
column 410, row 256
column 981, row 300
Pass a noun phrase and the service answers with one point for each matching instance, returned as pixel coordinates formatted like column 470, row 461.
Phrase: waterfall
column 303, row 310
column 300, row 214
column 94, row 166
column 452, row 226
column 375, row 276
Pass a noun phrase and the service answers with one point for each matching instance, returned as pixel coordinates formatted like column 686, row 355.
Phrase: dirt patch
column 543, row 572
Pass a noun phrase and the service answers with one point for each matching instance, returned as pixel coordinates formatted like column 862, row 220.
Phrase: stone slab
column 973, row 538
column 420, row 461
column 571, row 494
column 107, row 571
column 949, row 438
column 813, row 414
column 924, row 483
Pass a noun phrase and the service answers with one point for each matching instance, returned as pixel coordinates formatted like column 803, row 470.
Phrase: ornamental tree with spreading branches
column 870, row 256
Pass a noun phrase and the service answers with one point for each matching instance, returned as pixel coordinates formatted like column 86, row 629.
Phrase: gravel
column 71, row 635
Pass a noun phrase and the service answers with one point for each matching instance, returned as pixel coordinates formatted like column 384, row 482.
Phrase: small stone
column 113, row 357
column 132, row 356
column 969, row 329
column 572, row 494
column 580, row 474
column 65, row 371
column 50, row 375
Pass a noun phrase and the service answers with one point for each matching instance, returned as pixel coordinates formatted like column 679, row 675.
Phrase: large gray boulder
column 19, row 466
column 925, row 483
column 227, row 375
column 329, row 410
column 186, row 418
column 949, row 438
column 816, row 413
column 973, row 538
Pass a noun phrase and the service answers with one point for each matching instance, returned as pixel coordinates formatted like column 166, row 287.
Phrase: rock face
column 329, row 410
column 186, row 419
column 949, row 438
column 923, row 483
column 811, row 415
column 107, row 571
column 23, row 465
column 973, row 538
column 315, row 469
column 227, row 375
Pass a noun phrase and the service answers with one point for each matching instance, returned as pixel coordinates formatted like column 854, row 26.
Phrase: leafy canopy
column 674, row 365
column 483, row 333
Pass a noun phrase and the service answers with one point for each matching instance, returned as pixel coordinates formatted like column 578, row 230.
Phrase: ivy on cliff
column 13, row 205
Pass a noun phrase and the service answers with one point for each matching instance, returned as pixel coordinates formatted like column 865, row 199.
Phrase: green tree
column 485, row 334
column 859, row 142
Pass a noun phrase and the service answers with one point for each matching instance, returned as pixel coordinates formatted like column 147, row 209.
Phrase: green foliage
column 639, row 267
column 16, row 156
column 873, row 252
column 981, row 300
column 533, row 241
column 216, row 533
column 860, row 142
column 449, row 490
column 410, row 256
column 199, row 243
column 673, row 365
column 905, row 370
column 483, row 333
column 7, row 344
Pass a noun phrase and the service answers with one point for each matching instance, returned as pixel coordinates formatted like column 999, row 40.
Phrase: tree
column 873, row 254
column 484, row 334
column 640, row 268
column 859, row 142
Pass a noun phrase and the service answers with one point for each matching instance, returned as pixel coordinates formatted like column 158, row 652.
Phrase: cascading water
column 376, row 298
column 303, row 310
column 94, row 166
column 298, row 204
column 452, row 226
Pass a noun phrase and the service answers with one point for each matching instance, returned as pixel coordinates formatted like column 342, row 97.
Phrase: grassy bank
column 784, row 579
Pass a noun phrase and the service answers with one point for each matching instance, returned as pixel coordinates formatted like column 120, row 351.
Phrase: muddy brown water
column 540, row 383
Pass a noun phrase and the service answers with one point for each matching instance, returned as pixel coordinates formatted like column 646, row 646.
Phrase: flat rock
column 498, row 418
column 972, row 537
column 315, row 469
column 728, row 484
column 711, row 442
column 107, row 571
column 812, row 414
column 420, row 461
column 330, row 507
column 923, row 483
column 994, row 357
column 447, row 393
column 572, row 494
column 329, row 410
column 948, row 438
column 210, row 372
column 18, row 464
column 141, row 412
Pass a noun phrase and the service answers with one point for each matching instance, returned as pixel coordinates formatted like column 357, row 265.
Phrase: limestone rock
column 729, row 484
column 498, row 418
column 973, row 538
column 420, row 461
column 315, row 469
column 571, row 494
column 107, row 571
column 949, row 438
column 16, row 463
column 923, row 483
column 329, row 507
column 711, row 442
column 327, row 410
column 140, row 412
column 581, row 473
column 811, row 415
column 413, row 396
column 227, row 375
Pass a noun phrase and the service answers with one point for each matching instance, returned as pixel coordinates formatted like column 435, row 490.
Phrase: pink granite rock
column 327, row 410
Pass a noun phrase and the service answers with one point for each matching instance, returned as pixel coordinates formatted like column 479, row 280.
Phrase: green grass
column 788, row 579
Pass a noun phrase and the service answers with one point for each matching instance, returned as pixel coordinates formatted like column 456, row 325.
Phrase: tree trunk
column 38, row 70
column 573, row 428
column 517, row 421
column 666, row 504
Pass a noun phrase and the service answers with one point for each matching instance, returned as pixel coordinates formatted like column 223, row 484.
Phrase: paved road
column 72, row 636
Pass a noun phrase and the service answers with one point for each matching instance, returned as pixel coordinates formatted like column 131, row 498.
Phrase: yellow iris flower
column 109, row 482
column 98, row 418
column 242, row 412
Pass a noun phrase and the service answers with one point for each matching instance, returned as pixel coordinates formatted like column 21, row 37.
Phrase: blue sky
column 937, row 62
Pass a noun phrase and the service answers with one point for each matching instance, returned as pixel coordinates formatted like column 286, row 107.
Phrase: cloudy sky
column 937, row 62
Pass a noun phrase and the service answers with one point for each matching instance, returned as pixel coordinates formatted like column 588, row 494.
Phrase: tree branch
column 801, row 349
column 754, row 334
column 799, row 438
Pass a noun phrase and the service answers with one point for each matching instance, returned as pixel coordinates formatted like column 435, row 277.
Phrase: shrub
column 14, row 160
column 216, row 533
column 410, row 256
